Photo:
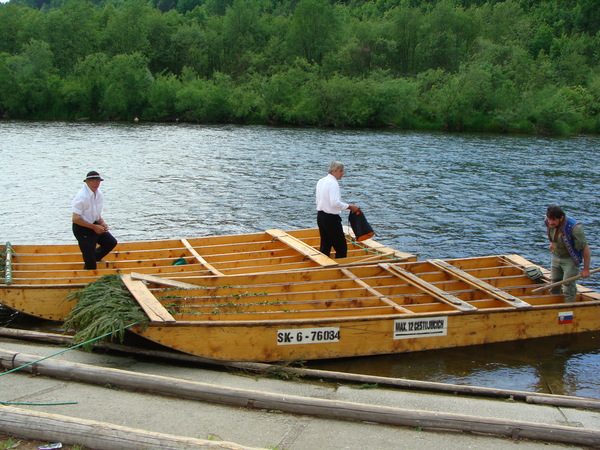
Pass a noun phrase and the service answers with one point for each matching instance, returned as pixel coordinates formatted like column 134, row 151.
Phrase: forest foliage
column 529, row 66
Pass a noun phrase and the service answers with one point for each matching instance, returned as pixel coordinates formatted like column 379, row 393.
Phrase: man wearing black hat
column 90, row 229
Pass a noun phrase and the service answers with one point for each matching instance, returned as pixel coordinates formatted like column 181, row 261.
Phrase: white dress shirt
column 88, row 204
column 328, row 196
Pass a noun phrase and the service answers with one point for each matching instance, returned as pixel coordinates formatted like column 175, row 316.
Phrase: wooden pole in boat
column 8, row 264
column 558, row 283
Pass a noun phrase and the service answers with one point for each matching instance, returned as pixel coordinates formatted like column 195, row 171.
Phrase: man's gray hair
column 335, row 165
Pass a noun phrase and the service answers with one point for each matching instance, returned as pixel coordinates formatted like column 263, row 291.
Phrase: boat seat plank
column 479, row 284
column 199, row 258
column 151, row 306
column 162, row 281
column 432, row 290
column 381, row 297
column 302, row 248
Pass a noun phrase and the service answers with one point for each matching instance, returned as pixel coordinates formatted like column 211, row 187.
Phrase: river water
column 432, row 194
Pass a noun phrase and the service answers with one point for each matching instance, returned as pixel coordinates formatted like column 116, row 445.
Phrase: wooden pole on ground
column 558, row 283
column 92, row 434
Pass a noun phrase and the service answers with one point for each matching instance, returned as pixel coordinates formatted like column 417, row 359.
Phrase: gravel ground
column 12, row 442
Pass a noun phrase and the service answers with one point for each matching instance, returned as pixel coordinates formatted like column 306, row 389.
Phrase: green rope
column 56, row 354
column 371, row 250
column 37, row 404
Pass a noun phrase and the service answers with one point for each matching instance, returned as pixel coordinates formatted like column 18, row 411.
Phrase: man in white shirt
column 89, row 227
column 329, row 206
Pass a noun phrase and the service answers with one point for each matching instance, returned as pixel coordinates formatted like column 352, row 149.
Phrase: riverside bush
column 506, row 66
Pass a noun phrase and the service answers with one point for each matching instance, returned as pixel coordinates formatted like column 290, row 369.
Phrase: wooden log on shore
column 92, row 434
column 262, row 368
column 292, row 404
column 568, row 402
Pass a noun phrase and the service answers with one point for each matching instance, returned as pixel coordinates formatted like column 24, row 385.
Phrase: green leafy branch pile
column 103, row 306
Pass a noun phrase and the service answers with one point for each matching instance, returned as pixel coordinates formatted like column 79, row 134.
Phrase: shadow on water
column 565, row 365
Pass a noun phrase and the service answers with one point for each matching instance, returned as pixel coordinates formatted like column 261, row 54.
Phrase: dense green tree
column 243, row 34
column 275, row 54
column 160, row 30
column 406, row 33
column 166, row 5
column 5, row 83
column 461, row 101
column 542, row 41
column 448, row 37
column 373, row 101
column 217, row 7
column 188, row 45
column 14, row 20
column 33, row 84
column 128, row 84
column 313, row 30
column 126, row 29
column 184, row 6
column 587, row 17
column 554, row 111
column 22, row 25
column 72, row 32
column 570, row 59
column 208, row 101
column 84, row 88
column 370, row 45
column 340, row 100
column 162, row 98
column 505, row 23
column 281, row 93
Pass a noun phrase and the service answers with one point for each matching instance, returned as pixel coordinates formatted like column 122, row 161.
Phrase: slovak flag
column 565, row 317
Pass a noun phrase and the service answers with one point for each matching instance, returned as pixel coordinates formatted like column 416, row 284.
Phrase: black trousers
column 93, row 246
column 332, row 234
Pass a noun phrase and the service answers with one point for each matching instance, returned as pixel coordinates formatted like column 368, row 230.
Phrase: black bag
column 360, row 226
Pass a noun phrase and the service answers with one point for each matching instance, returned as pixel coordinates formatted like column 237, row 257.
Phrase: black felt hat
column 93, row 175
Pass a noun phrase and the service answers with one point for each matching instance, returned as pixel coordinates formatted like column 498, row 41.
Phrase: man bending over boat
column 329, row 206
column 90, row 229
column 569, row 249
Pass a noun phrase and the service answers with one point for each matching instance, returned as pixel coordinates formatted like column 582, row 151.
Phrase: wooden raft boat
column 38, row 277
column 356, row 311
